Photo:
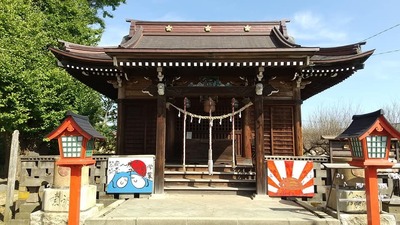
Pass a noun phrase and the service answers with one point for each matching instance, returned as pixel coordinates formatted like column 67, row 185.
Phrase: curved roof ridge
column 283, row 40
column 80, row 55
column 275, row 22
column 68, row 46
column 134, row 39
column 349, row 49
column 342, row 58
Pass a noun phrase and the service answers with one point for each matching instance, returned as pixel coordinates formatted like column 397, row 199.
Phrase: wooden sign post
column 12, row 170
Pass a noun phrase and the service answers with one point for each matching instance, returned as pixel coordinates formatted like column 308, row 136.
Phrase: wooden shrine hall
column 213, row 95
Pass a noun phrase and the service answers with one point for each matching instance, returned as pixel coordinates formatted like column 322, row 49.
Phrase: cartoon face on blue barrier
column 129, row 182
column 130, row 176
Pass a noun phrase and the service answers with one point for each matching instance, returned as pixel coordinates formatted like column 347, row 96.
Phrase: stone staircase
column 196, row 179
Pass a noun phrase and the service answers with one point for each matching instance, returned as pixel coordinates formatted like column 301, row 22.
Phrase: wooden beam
column 259, row 135
column 227, row 91
column 160, row 145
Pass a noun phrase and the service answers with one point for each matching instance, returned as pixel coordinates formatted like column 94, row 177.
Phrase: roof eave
column 78, row 56
column 362, row 56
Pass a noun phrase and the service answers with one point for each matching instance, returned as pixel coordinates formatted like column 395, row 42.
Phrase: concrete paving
column 208, row 209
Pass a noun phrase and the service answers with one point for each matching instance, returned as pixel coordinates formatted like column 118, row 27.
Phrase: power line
column 382, row 32
column 382, row 53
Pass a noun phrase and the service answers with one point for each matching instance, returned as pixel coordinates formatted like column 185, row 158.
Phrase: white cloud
column 310, row 29
column 306, row 20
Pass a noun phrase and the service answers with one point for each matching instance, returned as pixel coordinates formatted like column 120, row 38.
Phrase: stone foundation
column 61, row 218
column 57, row 199
column 350, row 206
column 361, row 219
column 55, row 206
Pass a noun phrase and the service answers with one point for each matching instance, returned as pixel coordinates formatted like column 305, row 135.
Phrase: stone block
column 33, row 198
column 57, row 199
column 31, row 182
column 46, row 164
column 60, row 218
column 160, row 221
column 361, row 219
column 106, row 202
column 320, row 173
column 29, row 207
column 28, row 164
column 349, row 206
column 23, row 215
column 62, row 176
column 20, row 222
column 36, row 172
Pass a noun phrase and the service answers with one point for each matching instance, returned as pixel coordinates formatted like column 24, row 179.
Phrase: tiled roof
column 205, row 42
column 361, row 124
column 84, row 124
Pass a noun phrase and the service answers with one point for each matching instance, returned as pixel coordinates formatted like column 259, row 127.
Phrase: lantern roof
column 80, row 123
column 365, row 124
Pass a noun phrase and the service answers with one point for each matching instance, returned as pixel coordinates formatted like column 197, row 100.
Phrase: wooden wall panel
column 140, row 127
column 282, row 130
column 278, row 129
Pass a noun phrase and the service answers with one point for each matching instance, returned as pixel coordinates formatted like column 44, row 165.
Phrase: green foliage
column 34, row 92
column 103, row 4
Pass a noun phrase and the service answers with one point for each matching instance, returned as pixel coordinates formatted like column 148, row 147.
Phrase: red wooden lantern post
column 75, row 141
column 369, row 137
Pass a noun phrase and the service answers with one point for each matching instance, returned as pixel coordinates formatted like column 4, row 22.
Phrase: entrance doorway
column 226, row 133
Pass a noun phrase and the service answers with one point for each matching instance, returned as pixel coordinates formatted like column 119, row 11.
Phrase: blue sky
column 312, row 23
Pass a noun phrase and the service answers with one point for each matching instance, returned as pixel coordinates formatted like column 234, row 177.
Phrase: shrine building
column 213, row 95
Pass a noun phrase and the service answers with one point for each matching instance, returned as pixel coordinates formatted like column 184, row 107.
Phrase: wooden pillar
column 372, row 193
column 120, row 127
column 259, row 136
column 247, row 135
column 297, row 121
column 121, row 119
column 160, row 145
column 75, row 195
column 170, row 141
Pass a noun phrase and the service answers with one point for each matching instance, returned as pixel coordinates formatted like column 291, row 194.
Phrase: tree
column 392, row 112
column 326, row 120
column 34, row 92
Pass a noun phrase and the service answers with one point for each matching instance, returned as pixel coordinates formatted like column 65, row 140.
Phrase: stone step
column 209, row 180
column 204, row 168
column 184, row 182
column 206, row 175
column 207, row 190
